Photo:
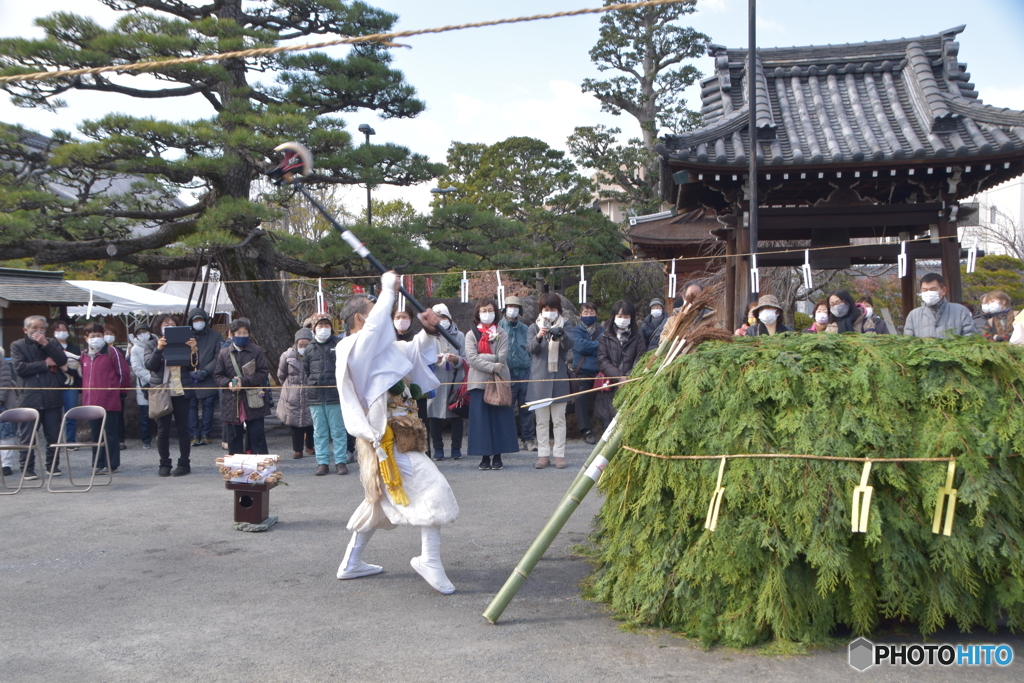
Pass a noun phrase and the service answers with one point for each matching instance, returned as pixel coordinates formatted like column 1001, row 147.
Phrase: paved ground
column 147, row 581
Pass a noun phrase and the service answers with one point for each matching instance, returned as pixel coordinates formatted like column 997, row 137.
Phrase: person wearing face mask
column 769, row 317
column 203, row 389
column 143, row 379
column 584, row 350
column 449, row 371
column 870, row 323
column 618, row 349
column 70, row 396
column 104, row 370
column 321, row 362
column 160, row 373
column 846, row 316
column 548, row 343
column 999, row 316
column 492, row 429
column 653, row 321
column 519, row 367
column 938, row 317
column 240, row 366
column 822, row 318
column 293, row 406
column 110, row 337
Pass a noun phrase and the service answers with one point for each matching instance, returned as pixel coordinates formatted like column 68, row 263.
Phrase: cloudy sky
column 485, row 85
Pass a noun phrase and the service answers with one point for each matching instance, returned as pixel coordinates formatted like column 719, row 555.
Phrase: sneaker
column 496, row 462
column 123, row 446
column 195, row 441
column 485, row 463
column 164, row 471
column 590, row 438
column 146, row 446
column 532, row 444
column 204, row 441
column 31, row 476
column 439, row 454
column 57, row 473
column 341, row 468
column 101, row 470
column 456, row 454
column 7, row 471
column 181, row 471
column 321, row 470
column 224, row 446
column 309, row 451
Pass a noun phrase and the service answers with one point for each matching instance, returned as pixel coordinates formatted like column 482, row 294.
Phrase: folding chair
column 21, row 416
column 82, row 413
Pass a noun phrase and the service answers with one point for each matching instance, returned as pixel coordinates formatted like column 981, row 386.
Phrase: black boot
column 182, row 469
column 165, row 468
column 485, row 463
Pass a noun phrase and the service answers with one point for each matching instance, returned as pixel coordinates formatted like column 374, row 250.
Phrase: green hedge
column 783, row 561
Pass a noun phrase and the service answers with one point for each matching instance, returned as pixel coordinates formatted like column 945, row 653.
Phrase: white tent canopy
column 180, row 288
column 128, row 299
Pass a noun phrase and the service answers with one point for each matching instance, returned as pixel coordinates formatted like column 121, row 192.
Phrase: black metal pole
column 752, row 122
column 361, row 249
column 369, row 202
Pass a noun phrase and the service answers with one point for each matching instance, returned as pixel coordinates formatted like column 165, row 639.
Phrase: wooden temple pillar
column 908, row 289
column 741, row 277
column 950, row 245
column 730, row 278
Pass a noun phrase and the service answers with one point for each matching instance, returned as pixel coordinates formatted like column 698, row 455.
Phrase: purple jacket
column 102, row 375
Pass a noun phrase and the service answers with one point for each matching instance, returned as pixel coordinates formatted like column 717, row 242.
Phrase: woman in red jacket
column 105, row 378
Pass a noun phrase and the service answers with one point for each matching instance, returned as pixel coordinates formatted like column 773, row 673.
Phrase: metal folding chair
column 21, row 416
column 81, row 413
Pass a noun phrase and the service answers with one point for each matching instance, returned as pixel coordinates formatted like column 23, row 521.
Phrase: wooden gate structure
column 866, row 140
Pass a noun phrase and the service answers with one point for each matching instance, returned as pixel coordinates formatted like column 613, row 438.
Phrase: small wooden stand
column 252, row 506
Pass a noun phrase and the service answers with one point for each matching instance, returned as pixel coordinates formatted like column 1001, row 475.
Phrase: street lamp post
column 365, row 129
column 444, row 192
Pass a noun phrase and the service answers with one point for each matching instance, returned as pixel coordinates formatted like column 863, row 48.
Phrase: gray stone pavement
column 147, row 581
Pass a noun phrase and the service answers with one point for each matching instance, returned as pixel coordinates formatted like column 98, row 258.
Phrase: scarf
column 553, row 344
column 486, row 335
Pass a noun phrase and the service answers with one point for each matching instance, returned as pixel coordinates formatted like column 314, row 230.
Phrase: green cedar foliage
column 783, row 562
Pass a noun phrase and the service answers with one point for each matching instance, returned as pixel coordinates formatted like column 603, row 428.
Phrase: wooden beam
column 730, row 279
column 908, row 289
column 950, row 246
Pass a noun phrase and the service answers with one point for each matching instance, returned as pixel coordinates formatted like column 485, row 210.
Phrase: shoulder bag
column 254, row 396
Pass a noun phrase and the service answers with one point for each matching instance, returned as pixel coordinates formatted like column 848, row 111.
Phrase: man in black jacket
column 200, row 379
column 38, row 363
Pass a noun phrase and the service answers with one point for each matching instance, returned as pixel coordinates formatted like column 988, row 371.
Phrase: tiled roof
column 42, row 287
column 841, row 104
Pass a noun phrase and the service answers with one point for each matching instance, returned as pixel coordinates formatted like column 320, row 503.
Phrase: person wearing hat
column 144, row 341
column 654, row 320
column 449, row 372
column 519, row 364
column 322, row 395
column 769, row 317
column 293, row 408
column 204, row 389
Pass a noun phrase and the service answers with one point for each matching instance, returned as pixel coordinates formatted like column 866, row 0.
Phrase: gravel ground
column 147, row 581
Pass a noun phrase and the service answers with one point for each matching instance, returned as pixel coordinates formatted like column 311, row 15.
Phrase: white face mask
column 657, row 312
column 447, row 324
column 486, row 318
column 512, row 312
column 96, row 343
column 322, row 334
column 992, row 307
column 868, row 311
column 768, row 316
column 821, row 317
column 840, row 310
column 199, row 325
column 402, row 324
column 930, row 298
column 622, row 323
column 142, row 336
column 109, row 338
column 62, row 335
column 550, row 316
column 301, row 350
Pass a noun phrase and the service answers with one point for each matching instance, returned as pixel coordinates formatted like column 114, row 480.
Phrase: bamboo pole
column 572, row 500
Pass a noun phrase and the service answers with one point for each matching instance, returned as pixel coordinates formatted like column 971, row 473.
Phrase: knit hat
column 768, row 300
column 320, row 317
column 304, row 333
column 142, row 326
column 656, row 302
column 441, row 309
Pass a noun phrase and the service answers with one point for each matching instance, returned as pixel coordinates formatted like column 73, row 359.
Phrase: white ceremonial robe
column 370, row 362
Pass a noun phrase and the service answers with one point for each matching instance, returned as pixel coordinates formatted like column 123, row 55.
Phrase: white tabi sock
column 352, row 566
column 428, row 564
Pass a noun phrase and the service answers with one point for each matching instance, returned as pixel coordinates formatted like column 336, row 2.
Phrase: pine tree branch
column 104, row 85
column 46, row 252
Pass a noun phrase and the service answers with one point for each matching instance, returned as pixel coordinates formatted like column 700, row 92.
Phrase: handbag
column 458, row 397
column 254, row 396
column 573, row 373
column 601, row 382
column 498, row 392
column 159, row 397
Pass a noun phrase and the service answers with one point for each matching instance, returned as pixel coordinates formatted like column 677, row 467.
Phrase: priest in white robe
column 403, row 486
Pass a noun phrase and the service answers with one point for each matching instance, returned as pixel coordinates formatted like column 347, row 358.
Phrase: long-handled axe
column 297, row 162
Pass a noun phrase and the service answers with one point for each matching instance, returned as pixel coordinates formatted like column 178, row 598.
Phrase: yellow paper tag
column 861, row 502
column 716, row 501
column 946, row 492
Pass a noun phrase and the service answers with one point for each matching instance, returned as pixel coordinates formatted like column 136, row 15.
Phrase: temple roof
column 884, row 101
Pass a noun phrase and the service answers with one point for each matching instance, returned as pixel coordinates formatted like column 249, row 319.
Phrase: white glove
column 389, row 281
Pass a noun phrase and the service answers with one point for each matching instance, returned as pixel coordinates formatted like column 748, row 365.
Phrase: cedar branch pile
column 783, row 561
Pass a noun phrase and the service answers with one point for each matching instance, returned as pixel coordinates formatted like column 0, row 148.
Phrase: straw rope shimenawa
column 793, row 456
column 381, row 38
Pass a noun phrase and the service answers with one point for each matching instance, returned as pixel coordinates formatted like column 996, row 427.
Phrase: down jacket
column 101, row 374
column 293, row 408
